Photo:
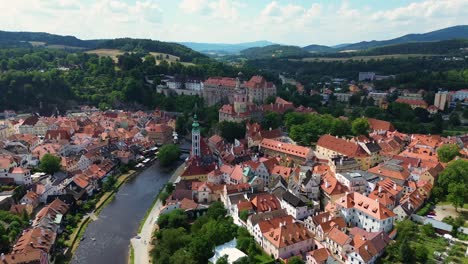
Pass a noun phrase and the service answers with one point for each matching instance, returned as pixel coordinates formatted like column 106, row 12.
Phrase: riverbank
column 140, row 247
column 110, row 233
column 76, row 236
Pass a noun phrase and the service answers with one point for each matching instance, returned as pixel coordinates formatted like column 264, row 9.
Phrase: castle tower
column 195, row 137
column 240, row 97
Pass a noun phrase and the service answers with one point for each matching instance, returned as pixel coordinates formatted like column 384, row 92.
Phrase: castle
column 223, row 89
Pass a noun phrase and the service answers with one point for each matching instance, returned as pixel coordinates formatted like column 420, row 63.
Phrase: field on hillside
column 365, row 58
column 37, row 43
column 114, row 53
column 52, row 46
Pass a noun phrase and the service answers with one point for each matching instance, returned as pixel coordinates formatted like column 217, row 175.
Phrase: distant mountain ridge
column 455, row 32
column 225, row 47
column 274, row 51
column 318, row 48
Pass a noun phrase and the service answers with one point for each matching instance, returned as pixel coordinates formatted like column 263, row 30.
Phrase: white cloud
column 194, row 6
column 330, row 24
column 212, row 9
column 99, row 19
column 230, row 21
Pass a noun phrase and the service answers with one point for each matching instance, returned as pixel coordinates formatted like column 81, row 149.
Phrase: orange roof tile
column 366, row 205
column 341, row 146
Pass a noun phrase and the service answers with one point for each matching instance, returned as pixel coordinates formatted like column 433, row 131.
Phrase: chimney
column 394, row 186
column 380, row 189
column 3, row 257
column 365, row 246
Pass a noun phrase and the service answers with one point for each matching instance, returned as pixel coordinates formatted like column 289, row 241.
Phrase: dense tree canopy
column 10, row 227
column 448, row 152
column 177, row 242
column 360, row 126
column 168, row 154
column 307, row 128
column 452, row 181
column 231, row 130
column 50, row 164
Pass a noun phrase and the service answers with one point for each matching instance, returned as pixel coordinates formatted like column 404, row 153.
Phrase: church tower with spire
column 195, row 137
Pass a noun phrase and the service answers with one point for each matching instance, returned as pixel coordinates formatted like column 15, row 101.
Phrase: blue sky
column 296, row 22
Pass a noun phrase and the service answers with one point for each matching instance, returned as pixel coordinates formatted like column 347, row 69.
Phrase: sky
column 294, row 22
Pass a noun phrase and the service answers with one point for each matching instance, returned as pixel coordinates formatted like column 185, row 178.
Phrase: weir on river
column 107, row 239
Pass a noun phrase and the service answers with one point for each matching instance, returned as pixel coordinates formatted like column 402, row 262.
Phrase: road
column 141, row 246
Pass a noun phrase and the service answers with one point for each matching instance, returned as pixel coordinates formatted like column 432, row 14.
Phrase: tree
column 457, row 194
column 406, row 252
column 223, row 260
column 109, row 183
column 421, row 253
column 422, row 114
column 454, row 119
column 201, row 249
column 168, row 154
column 360, row 126
column 231, row 130
column 50, row 164
column 174, row 219
column 428, row 230
column 448, row 152
column 355, row 99
column 182, row 256
column 438, row 124
column 216, row 210
column 454, row 173
column 244, row 215
column 465, row 113
column 271, row 120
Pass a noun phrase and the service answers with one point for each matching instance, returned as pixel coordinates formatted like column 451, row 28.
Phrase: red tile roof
column 414, row 102
column 288, row 149
column 287, row 235
column 391, row 171
column 338, row 236
column 32, row 256
column 376, row 124
column 265, row 202
column 320, row 255
column 341, row 146
column 195, row 167
column 366, row 205
column 221, row 81
column 269, row 224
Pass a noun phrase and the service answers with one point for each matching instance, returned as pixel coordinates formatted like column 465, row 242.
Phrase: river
column 118, row 222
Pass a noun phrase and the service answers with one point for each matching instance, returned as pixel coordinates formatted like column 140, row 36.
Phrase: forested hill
column 128, row 44
column 30, row 39
column 438, row 47
column 274, row 51
column 23, row 38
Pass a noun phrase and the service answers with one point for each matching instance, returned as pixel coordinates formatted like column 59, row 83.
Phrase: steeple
column 195, row 137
